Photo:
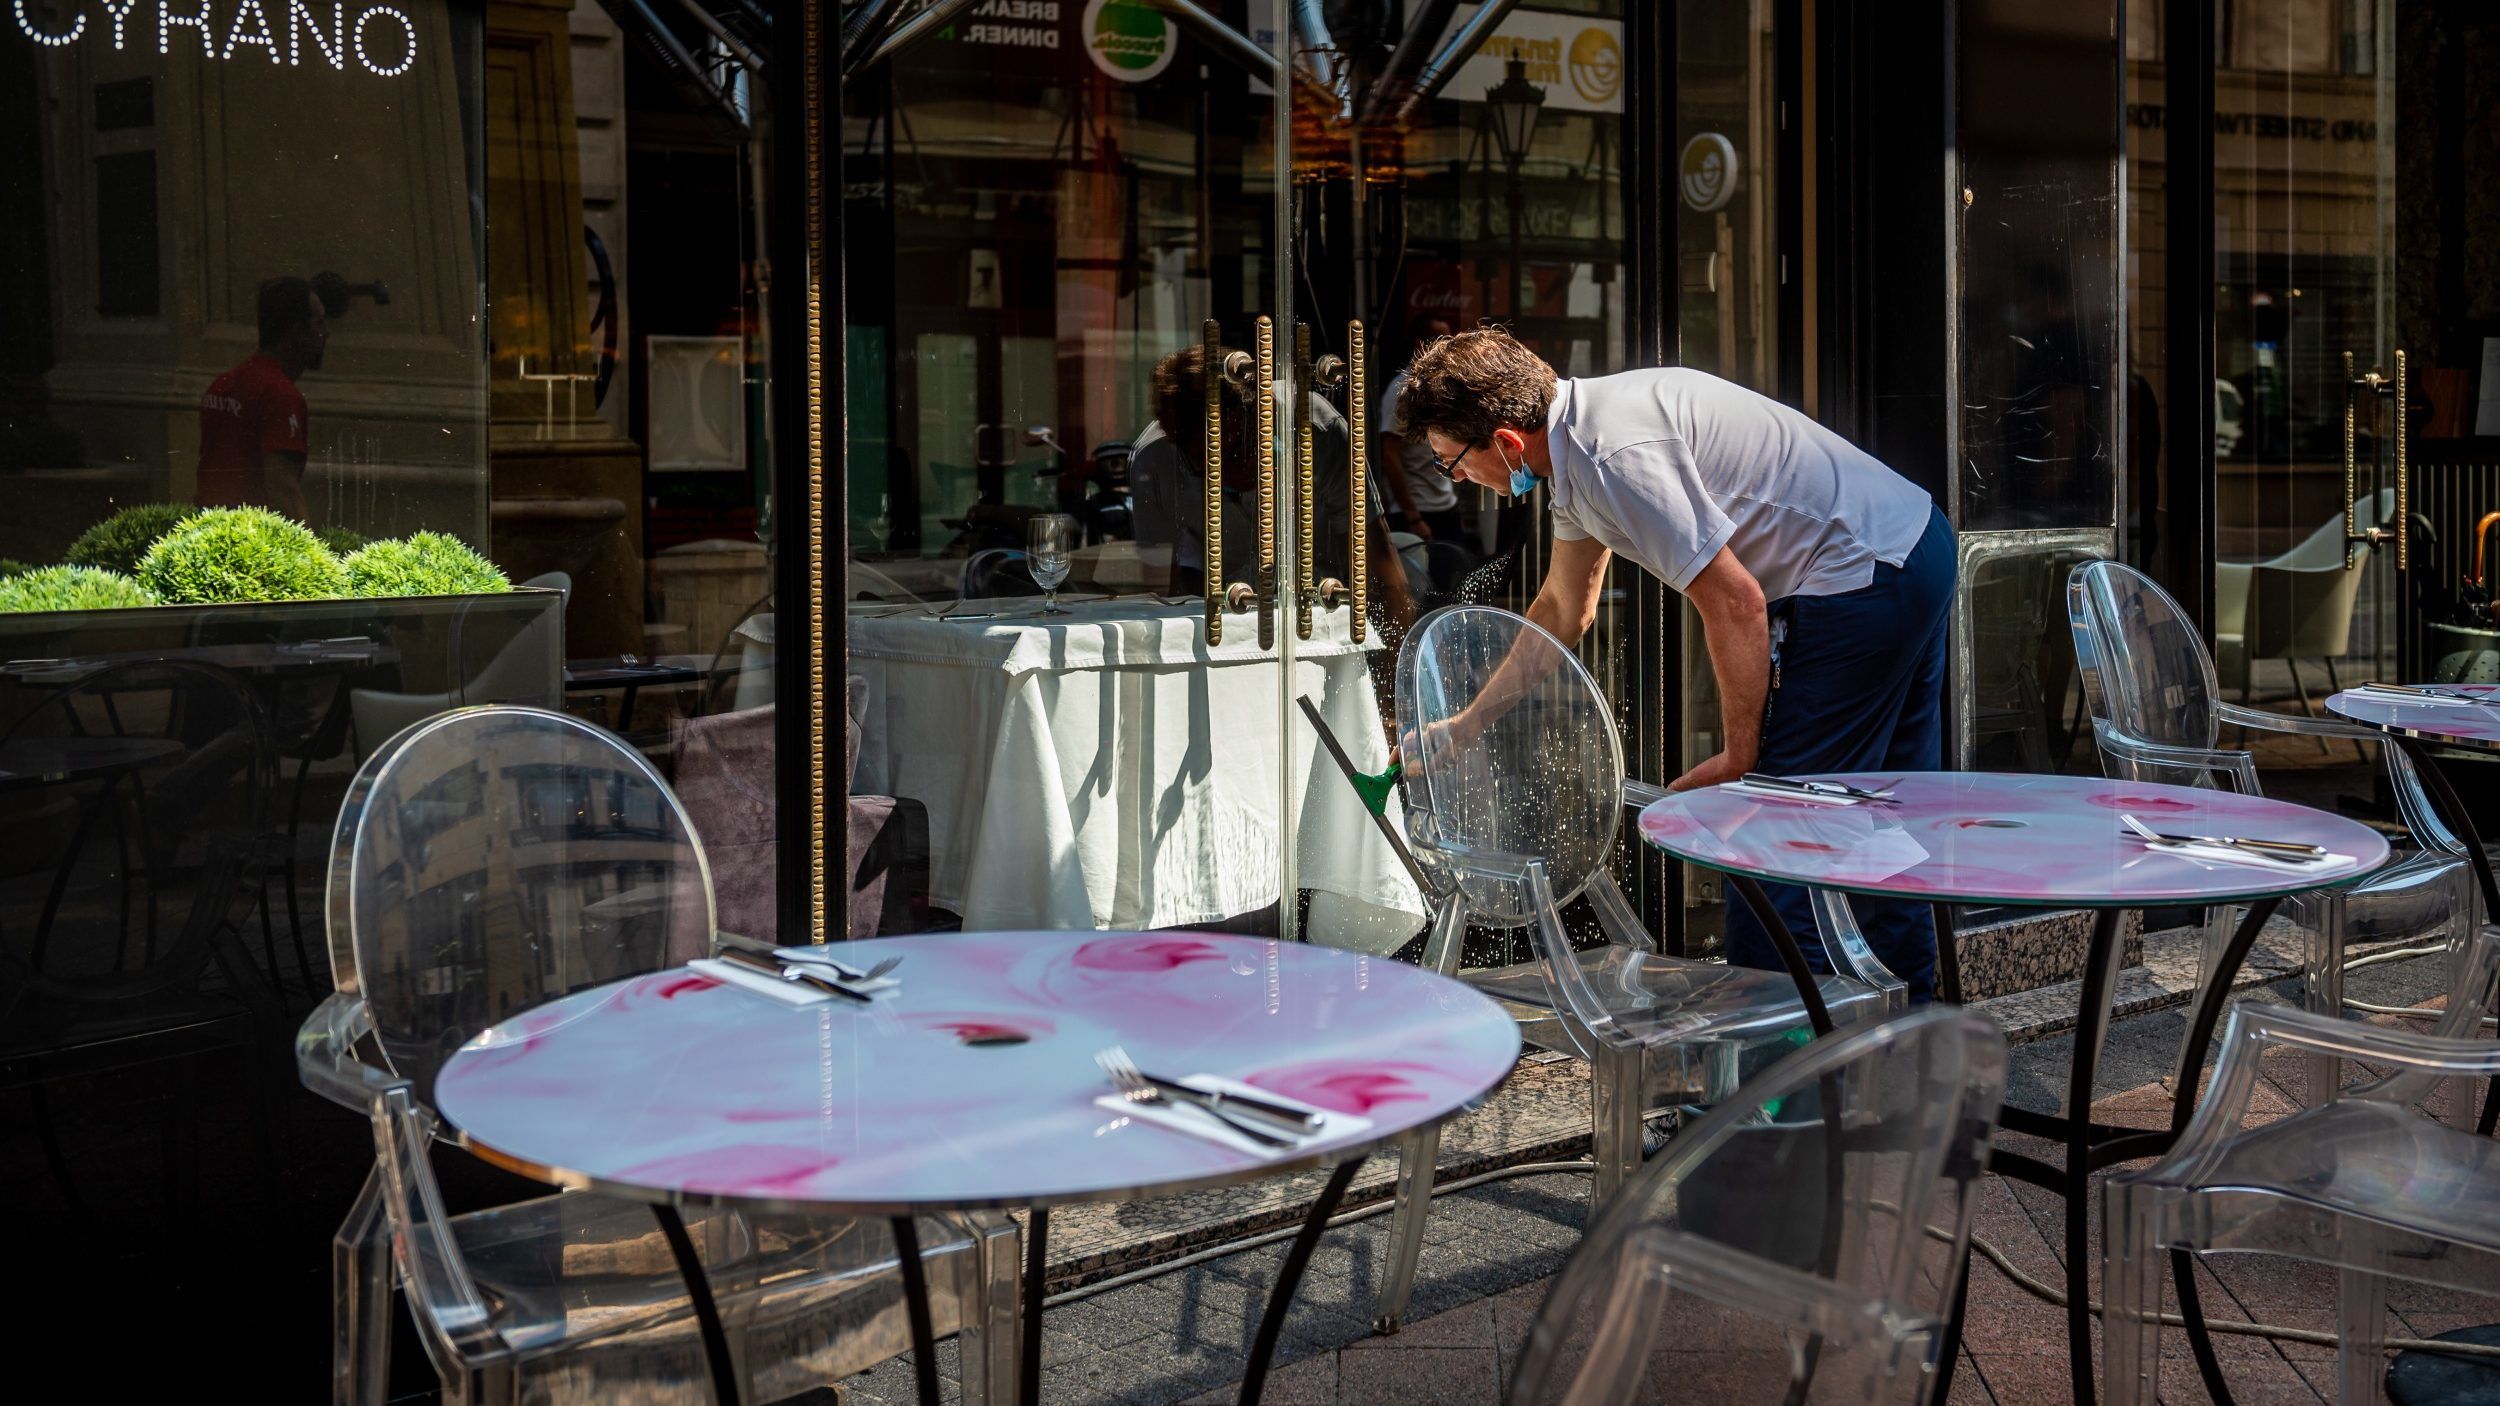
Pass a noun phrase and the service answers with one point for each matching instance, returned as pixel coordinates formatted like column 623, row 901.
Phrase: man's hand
column 1723, row 767
column 1415, row 523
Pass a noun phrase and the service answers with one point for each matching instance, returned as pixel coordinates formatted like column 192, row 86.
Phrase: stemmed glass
column 1047, row 548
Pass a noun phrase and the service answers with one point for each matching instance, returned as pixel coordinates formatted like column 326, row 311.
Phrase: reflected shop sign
column 377, row 39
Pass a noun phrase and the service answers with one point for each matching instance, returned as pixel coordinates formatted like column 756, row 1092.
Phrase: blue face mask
column 1522, row 482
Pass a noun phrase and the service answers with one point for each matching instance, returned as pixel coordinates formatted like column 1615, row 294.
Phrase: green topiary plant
column 71, row 588
column 343, row 542
column 11, row 566
column 241, row 554
column 117, row 543
column 426, row 564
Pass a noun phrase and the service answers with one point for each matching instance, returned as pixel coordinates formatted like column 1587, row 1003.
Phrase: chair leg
column 2361, row 1337
column 2322, row 987
column 2360, row 749
column 2308, row 709
column 993, row 1315
column 1416, row 1158
column 1615, row 1113
column 2131, row 1280
column 360, row 1287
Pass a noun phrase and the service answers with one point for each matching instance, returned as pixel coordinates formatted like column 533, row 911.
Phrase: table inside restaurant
column 1105, row 768
column 2032, row 841
column 973, row 1085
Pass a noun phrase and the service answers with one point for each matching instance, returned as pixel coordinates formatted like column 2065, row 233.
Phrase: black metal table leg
column 1029, row 1351
column 1297, row 1259
column 916, row 1307
column 2091, row 1025
column 1793, row 956
column 706, row 1311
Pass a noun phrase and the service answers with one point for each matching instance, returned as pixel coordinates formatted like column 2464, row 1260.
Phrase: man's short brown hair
column 1466, row 387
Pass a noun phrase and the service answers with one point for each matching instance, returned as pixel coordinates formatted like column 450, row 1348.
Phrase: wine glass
column 1047, row 547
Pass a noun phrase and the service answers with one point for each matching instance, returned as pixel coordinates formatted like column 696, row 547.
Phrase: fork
column 1137, row 1089
column 2272, row 849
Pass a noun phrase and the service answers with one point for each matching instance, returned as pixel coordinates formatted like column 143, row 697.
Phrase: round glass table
column 2465, row 717
column 2035, row 841
column 973, row 1085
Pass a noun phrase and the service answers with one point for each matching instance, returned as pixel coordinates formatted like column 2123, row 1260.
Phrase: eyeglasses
column 1450, row 465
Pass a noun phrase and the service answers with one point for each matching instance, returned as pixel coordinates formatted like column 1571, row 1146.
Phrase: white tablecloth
column 1104, row 768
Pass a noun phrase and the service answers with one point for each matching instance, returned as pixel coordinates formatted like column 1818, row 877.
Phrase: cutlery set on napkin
column 2292, row 855
column 1221, row 1110
column 796, row 976
column 2427, row 697
column 1783, row 788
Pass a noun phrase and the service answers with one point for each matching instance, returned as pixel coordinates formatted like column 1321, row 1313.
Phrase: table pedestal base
column 706, row 1311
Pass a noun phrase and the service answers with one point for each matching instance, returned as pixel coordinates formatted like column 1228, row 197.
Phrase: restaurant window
column 1063, row 224
column 2043, row 412
column 364, row 361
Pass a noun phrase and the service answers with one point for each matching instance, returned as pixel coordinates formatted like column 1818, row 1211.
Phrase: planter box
column 398, row 660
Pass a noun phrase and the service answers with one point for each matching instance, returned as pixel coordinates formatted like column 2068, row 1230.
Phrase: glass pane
column 2045, row 424
column 2304, row 220
column 1039, row 225
column 1727, row 255
column 1470, row 224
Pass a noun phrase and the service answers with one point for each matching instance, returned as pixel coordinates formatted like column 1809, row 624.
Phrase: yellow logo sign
column 1596, row 66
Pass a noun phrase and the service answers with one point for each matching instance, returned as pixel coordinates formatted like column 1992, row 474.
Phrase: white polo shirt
column 1666, row 466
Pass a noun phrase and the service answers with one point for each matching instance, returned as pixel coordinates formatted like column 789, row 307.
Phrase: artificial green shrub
column 343, row 542
column 117, row 543
column 426, row 564
column 241, row 554
column 71, row 588
column 11, row 566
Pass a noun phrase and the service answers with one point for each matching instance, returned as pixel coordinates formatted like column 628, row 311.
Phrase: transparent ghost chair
column 489, row 860
column 2158, row 713
column 2359, row 1181
column 1510, row 756
column 1803, row 1242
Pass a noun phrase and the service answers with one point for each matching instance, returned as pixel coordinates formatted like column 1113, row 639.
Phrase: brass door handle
column 1266, row 393
column 2399, row 388
column 1305, row 494
column 1349, row 372
column 1211, row 370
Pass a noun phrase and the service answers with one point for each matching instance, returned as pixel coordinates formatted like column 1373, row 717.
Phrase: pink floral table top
column 2459, row 724
column 1983, row 837
column 974, row 1083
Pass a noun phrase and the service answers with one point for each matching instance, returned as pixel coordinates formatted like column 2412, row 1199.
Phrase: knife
column 779, row 972
column 2414, row 691
column 2292, row 848
column 1813, row 788
column 1292, row 1120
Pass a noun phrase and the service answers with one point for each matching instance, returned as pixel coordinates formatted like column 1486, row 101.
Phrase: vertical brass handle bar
column 2352, row 533
column 1306, row 515
column 2404, row 507
column 1358, row 475
column 1267, row 482
column 1211, row 466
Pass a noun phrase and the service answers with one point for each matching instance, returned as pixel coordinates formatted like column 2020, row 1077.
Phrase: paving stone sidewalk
column 1490, row 1250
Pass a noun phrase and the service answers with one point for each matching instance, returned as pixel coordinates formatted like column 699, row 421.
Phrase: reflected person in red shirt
column 252, row 419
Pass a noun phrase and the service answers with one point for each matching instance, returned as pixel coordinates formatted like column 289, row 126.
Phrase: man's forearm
column 1739, row 638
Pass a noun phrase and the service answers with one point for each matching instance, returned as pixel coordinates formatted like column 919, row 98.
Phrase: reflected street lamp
column 1513, row 105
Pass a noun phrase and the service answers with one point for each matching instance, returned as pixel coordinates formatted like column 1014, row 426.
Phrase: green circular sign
column 1127, row 39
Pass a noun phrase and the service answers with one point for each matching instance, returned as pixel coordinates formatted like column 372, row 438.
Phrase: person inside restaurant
column 1795, row 547
column 254, row 425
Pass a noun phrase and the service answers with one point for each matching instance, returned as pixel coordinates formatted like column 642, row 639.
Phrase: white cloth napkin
column 1774, row 793
column 789, row 993
column 1188, row 1118
column 2232, row 854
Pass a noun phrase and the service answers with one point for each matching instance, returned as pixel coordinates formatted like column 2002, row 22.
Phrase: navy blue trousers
column 1860, row 687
